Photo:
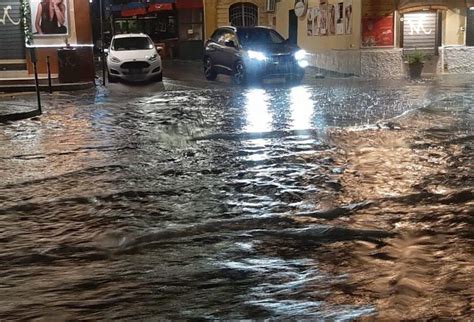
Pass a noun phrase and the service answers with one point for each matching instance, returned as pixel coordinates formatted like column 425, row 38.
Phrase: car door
column 213, row 48
column 230, row 48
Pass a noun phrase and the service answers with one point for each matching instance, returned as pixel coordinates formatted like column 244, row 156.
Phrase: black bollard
column 38, row 96
column 49, row 75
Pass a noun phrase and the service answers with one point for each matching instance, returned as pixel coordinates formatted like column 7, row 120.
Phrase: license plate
column 134, row 71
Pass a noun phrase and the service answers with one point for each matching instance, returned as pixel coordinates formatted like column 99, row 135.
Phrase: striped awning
column 416, row 5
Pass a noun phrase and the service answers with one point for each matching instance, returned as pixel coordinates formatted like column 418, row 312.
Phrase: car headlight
column 300, row 54
column 257, row 55
column 114, row 59
column 153, row 58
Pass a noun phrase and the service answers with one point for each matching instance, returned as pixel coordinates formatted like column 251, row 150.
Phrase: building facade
column 370, row 37
column 70, row 28
column 220, row 13
column 175, row 25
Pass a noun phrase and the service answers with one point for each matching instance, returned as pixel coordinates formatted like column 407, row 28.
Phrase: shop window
column 243, row 15
column 470, row 27
column 190, row 24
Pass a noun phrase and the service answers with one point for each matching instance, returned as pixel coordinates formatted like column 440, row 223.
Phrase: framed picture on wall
column 49, row 17
column 323, row 20
column 316, row 17
column 340, row 18
column 309, row 22
column 348, row 16
column 331, row 21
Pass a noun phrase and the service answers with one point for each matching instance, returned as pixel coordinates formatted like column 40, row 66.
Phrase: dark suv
column 252, row 54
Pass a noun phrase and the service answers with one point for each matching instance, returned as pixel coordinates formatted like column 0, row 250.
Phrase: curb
column 45, row 88
column 18, row 116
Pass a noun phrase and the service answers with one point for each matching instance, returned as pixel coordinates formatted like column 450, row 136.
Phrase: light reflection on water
column 210, row 205
column 302, row 108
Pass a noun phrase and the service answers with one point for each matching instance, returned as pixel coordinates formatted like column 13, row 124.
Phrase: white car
column 133, row 57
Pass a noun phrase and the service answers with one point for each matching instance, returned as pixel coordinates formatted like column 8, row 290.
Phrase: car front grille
column 281, row 59
column 281, row 64
column 135, row 65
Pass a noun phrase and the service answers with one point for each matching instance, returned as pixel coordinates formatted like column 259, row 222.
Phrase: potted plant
column 415, row 61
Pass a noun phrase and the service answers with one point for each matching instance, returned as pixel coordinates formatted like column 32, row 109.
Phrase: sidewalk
column 29, row 86
column 14, row 112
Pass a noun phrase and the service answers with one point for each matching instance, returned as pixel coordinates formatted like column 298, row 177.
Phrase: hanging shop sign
column 156, row 7
column 49, row 18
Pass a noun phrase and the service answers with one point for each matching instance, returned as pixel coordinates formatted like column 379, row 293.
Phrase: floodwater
column 241, row 203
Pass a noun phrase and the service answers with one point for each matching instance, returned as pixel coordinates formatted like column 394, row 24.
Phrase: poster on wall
column 377, row 31
column 348, row 16
column 316, row 17
column 49, row 17
column 331, row 19
column 309, row 22
column 340, row 26
column 323, row 17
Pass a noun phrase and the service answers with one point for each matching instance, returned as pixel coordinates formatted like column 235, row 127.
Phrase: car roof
column 130, row 35
column 246, row 28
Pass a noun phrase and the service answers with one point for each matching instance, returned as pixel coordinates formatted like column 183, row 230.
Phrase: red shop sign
column 160, row 7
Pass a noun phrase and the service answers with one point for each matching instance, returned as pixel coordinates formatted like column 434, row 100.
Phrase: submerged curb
column 45, row 87
column 18, row 116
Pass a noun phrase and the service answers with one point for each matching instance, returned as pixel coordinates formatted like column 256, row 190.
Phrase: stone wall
column 458, row 59
column 381, row 63
column 339, row 61
column 368, row 63
column 389, row 63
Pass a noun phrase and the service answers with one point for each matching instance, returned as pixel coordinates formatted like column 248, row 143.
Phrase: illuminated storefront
column 176, row 25
column 372, row 38
column 69, row 26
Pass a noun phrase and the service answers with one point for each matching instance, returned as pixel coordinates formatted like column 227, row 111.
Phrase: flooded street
column 339, row 199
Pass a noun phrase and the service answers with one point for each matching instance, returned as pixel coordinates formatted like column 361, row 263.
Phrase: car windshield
column 132, row 43
column 256, row 36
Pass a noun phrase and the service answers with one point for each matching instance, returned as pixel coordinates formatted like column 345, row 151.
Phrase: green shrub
column 416, row 57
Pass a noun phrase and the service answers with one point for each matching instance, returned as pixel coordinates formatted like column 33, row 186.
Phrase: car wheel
column 209, row 71
column 239, row 76
column 112, row 79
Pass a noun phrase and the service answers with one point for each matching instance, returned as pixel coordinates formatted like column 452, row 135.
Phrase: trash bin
column 69, row 65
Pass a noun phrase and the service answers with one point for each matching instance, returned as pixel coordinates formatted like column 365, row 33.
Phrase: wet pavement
column 338, row 199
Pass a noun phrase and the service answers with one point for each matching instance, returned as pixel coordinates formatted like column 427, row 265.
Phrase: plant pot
column 415, row 70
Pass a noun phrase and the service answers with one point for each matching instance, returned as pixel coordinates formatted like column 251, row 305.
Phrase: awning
column 417, row 5
column 189, row 4
column 160, row 7
column 133, row 12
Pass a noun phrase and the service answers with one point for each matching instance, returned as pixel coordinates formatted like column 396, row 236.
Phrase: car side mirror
column 229, row 43
column 106, row 50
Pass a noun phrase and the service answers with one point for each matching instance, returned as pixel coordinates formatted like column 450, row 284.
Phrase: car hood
column 274, row 49
column 127, row 55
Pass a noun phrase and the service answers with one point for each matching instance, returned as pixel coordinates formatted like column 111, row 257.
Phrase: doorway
column 470, row 27
column 292, row 27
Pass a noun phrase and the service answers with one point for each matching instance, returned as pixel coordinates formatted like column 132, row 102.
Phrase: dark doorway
column 470, row 27
column 292, row 27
